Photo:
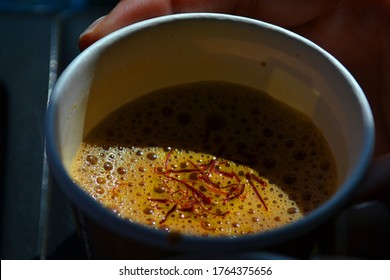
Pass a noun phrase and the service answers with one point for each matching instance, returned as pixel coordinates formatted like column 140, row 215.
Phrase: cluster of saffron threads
column 189, row 188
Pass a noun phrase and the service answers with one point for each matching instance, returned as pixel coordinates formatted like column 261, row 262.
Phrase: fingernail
column 92, row 27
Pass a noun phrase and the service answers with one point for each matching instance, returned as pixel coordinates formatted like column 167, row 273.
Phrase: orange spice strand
column 248, row 176
column 198, row 199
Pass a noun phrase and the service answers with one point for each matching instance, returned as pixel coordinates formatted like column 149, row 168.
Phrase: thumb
column 124, row 13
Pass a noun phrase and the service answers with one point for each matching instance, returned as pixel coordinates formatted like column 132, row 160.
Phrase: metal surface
column 37, row 40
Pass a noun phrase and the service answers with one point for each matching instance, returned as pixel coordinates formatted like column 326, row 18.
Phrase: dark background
column 38, row 38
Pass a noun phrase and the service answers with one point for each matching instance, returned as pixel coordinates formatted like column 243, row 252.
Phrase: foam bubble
column 178, row 159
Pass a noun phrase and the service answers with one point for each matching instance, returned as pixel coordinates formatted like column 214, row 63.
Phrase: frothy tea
column 207, row 158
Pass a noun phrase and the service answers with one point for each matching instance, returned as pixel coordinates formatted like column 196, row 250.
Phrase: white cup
column 183, row 48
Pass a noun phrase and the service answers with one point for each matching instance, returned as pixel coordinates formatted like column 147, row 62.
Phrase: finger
column 127, row 12
column 281, row 12
column 286, row 13
column 123, row 14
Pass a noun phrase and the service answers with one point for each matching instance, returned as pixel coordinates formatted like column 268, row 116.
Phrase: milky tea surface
column 207, row 158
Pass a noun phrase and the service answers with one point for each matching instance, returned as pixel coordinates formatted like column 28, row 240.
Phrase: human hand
column 354, row 31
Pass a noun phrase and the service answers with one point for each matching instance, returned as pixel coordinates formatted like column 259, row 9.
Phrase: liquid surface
column 207, row 158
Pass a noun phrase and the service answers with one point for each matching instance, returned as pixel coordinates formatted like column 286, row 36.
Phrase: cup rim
column 198, row 243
